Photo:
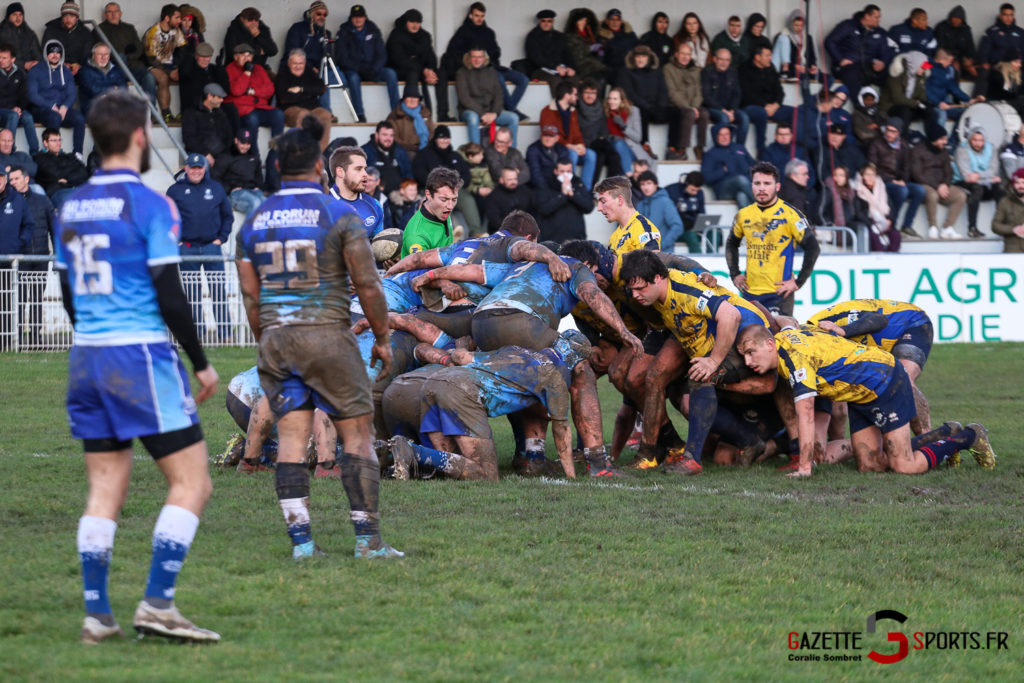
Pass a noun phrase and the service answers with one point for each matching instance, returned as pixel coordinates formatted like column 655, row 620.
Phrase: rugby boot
column 169, row 623
column 535, row 465
column 600, row 465
column 792, row 465
column 95, row 631
column 406, row 463
column 648, row 457
column 681, row 464
column 374, row 548
column 261, row 464
column 304, row 551
column 981, row 449
column 749, row 454
column 233, row 452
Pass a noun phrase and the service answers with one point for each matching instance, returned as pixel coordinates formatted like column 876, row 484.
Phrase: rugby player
column 431, row 225
column 877, row 389
column 296, row 257
column 117, row 254
column 614, row 199
column 348, row 165
column 772, row 229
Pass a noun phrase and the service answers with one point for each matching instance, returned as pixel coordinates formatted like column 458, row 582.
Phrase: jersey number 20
column 101, row 280
column 284, row 258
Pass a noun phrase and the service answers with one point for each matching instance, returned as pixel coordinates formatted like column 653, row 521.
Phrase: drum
column 1000, row 122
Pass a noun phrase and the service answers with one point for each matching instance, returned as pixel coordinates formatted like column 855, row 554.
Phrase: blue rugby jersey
column 368, row 208
column 513, row 378
column 494, row 248
column 109, row 232
column 530, row 288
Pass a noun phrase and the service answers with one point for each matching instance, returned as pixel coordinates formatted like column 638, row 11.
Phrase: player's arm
column 362, row 270
column 866, row 323
column 727, row 321
column 431, row 258
column 563, row 444
column 590, row 294
column 427, row 354
column 525, row 250
column 177, row 313
column 463, row 272
column 688, row 265
column 249, row 284
column 66, row 295
column 425, row 332
column 805, row 432
column 732, row 260
column 812, row 249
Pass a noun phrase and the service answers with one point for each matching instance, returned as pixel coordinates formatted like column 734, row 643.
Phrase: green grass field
column 646, row 578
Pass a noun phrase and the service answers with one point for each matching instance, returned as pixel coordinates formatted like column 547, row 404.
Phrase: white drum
column 1000, row 121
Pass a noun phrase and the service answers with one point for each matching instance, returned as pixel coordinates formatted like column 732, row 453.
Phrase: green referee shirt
column 424, row 232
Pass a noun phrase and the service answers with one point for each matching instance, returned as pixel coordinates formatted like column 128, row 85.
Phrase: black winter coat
column 410, row 53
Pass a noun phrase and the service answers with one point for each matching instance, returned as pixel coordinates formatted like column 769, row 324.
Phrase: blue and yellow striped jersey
column 772, row 234
column 638, row 233
column 901, row 316
column 689, row 311
column 816, row 362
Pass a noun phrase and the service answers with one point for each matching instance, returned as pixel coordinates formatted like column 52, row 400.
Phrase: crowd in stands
column 873, row 140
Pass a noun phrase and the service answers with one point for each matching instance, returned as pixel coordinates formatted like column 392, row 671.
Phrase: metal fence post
column 15, row 308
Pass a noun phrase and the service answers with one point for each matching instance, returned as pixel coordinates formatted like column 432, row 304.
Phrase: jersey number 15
column 101, row 275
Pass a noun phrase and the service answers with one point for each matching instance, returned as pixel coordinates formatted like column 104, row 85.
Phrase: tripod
column 328, row 63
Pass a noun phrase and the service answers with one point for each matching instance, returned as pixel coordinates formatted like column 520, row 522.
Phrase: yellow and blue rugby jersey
column 638, row 233
column 772, row 234
column 901, row 316
column 689, row 310
column 818, row 363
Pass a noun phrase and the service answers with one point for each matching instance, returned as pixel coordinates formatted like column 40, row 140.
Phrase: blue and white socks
column 95, row 549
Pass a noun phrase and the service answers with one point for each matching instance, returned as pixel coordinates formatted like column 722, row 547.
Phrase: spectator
column 480, row 185
column 954, row 35
column 1000, row 38
column 16, row 33
column 502, row 154
column 594, row 128
column 9, row 157
column 867, row 116
column 411, row 54
column 440, row 154
column 726, row 167
column 731, row 39
column 475, row 33
column 617, row 38
column 193, row 26
column 59, row 172
column 842, row 207
column 1005, row 83
column 1009, row 219
column 561, row 113
column 688, row 198
column 762, row 94
column 508, row 196
column 206, row 222
column 205, row 128
column 543, row 155
column 374, row 190
column 128, row 45
column 585, row 46
column 52, row 94
column 904, row 94
column 658, row 39
column 859, row 49
column 754, row 38
column 97, row 76
column 976, row 170
column 248, row 27
column 14, row 98
column 548, row 57
column 882, row 232
column 389, row 159
column 930, row 166
column 891, row 156
column 692, row 31
column 76, row 38
column 41, row 209
column 625, row 129
column 481, row 96
column 914, row 34
column 196, row 74
column 561, row 202
column 405, row 201
column 659, row 208
column 942, row 89
column 838, row 96
column 298, row 92
column 682, row 82
column 310, row 35
column 251, row 92
column 793, row 54
column 361, row 56
column 16, row 230
column 644, row 85
column 720, row 87
column 784, row 150
column 161, row 41
column 240, row 172
column 1011, row 158
column 839, row 152
column 813, row 119
column 412, row 121
column 796, row 189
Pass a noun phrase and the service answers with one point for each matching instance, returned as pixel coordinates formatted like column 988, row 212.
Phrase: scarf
column 877, row 199
column 418, row 123
column 613, row 127
column 840, row 195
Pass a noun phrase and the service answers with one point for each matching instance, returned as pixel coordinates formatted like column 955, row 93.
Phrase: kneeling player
column 879, row 394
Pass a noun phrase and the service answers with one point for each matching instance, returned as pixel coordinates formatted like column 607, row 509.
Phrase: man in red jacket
column 251, row 92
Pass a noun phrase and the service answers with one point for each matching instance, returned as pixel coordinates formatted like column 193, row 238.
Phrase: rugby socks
column 703, row 407
column 431, row 457
column 361, row 478
column 292, row 484
column 732, row 429
column 938, row 451
column 172, row 536
column 95, row 548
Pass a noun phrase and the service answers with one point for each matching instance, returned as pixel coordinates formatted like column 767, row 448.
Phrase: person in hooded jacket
column 904, row 94
column 794, row 54
column 867, row 116
column 411, row 54
column 617, row 39
column 52, row 94
column 15, row 32
column 726, row 167
column 753, row 36
column 954, row 35
column 361, row 56
column 585, row 47
column 659, row 209
column 644, row 85
column 659, row 39
column 481, row 96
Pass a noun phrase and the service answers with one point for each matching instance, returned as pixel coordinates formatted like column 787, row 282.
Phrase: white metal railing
column 32, row 317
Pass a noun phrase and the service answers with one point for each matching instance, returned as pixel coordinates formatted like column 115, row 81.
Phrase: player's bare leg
column 325, row 440
column 922, row 423
column 261, row 423
column 586, row 415
column 292, row 480
column 868, row 450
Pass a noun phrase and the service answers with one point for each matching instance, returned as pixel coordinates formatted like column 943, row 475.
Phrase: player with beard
column 348, row 165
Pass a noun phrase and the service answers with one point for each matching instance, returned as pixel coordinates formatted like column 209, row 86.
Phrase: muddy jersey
column 529, row 287
column 513, row 378
column 297, row 240
column 494, row 248
column 815, row 362
column 901, row 317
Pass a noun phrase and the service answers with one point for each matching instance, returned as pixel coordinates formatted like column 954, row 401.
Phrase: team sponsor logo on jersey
column 98, row 209
column 370, row 220
column 800, row 375
column 702, row 302
column 286, row 218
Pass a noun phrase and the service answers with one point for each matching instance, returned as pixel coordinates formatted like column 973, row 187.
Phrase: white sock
column 96, row 534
